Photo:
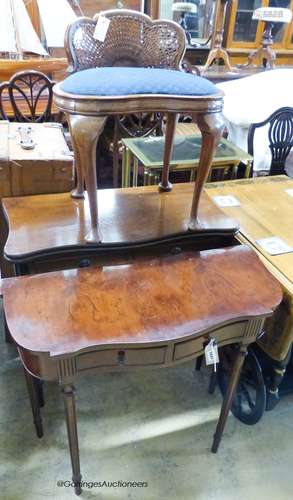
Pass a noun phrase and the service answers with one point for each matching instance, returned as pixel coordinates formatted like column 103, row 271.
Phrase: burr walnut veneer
column 142, row 73
column 149, row 313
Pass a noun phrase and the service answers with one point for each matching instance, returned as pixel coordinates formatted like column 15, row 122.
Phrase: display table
column 153, row 312
column 266, row 210
column 150, row 152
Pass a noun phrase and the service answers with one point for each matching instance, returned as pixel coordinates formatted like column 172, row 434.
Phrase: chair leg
column 172, row 118
column 229, row 396
column 211, row 127
column 78, row 192
column 70, row 412
column 115, row 153
column 31, row 383
column 85, row 133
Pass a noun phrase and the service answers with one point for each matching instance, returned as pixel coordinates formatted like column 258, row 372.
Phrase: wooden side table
column 149, row 151
column 152, row 313
column 47, row 232
column 266, row 210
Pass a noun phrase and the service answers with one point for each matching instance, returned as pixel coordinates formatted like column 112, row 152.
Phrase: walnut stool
column 91, row 94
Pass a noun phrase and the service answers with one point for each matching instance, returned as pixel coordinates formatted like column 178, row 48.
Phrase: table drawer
column 121, row 357
column 189, row 348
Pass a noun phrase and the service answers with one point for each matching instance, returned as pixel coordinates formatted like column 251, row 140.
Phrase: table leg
column 247, row 169
column 31, row 383
column 123, row 166
column 145, row 177
column 172, row 118
column 70, row 412
column 85, row 132
column 127, row 166
column 135, row 171
column 211, row 127
column 228, row 399
column 116, row 152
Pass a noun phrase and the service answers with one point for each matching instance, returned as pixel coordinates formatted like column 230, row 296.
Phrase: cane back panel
column 132, row 39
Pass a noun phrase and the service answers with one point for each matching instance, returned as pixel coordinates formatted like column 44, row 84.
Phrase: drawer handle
column 121, row 358
column 84, row 263
column 63, row 169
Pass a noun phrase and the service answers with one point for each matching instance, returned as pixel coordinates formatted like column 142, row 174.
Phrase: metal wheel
column 250, row 398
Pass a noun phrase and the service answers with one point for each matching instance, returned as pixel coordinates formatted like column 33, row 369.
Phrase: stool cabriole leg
column 211, row 126
column 31, row 383
column 172, row 118
column 86, row 131
column 78, row 192
column 229, row 396
column 70, row 412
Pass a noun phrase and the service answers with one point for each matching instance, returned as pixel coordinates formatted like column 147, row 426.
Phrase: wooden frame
column 230, row 26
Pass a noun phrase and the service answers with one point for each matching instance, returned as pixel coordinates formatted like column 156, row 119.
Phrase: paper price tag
column 226, row 201
column 289, row 192
column 101, row 28
column 274, row 245
column 211, row 354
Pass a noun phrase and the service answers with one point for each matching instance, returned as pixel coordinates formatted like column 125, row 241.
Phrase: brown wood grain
column 149, row 300
column 38, row 223
column 265, row 210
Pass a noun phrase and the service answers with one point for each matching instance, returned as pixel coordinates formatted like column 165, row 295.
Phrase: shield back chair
column 29, row 95
column 136, row 69
column 279, row 136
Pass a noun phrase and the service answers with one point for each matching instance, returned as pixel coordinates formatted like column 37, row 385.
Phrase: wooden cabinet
column 242, row 34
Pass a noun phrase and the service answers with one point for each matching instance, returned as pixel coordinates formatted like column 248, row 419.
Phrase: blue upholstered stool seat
column 132, row 81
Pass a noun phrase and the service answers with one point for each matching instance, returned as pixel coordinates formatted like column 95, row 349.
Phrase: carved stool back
column 136, row 69
column 132, row 40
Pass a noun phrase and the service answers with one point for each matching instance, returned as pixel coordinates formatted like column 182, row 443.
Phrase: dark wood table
column 153, row 312
column 47, row 232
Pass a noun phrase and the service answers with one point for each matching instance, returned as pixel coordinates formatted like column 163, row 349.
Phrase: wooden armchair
column 136, row 69
column 280, row 137
column 27, row 97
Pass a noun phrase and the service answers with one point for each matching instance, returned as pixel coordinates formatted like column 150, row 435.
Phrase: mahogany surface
column 55, row 222
column 147, row 301
column 152, row 312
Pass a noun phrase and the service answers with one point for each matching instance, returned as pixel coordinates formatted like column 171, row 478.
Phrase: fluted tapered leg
column 229, row 396
column 31, row 383
column 70, row 412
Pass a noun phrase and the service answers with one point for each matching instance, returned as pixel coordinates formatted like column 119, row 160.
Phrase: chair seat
column 117, row 81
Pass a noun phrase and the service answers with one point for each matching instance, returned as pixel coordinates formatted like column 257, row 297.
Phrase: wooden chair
column 136, row 69
column 29, row 95
column 280, row 136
